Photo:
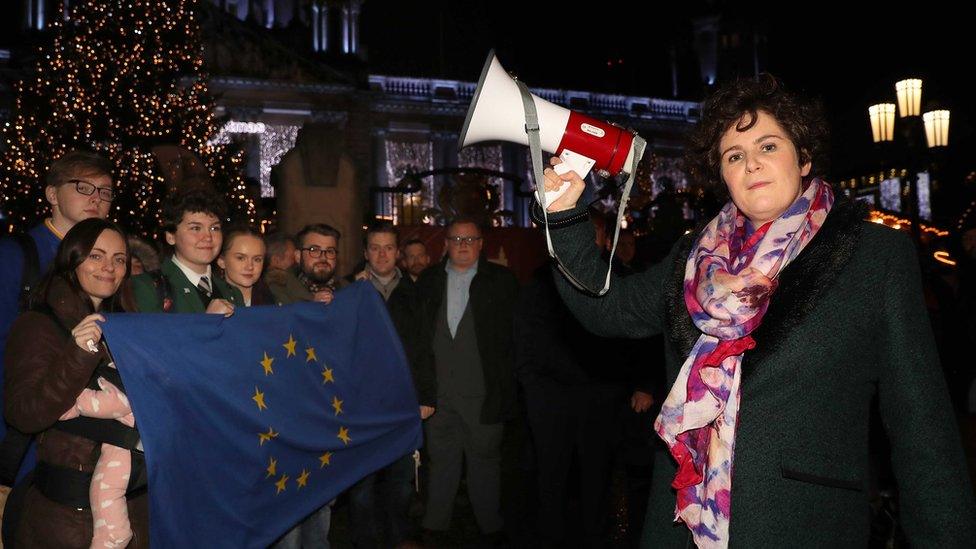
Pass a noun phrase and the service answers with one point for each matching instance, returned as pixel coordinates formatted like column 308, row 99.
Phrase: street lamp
column 934, row 125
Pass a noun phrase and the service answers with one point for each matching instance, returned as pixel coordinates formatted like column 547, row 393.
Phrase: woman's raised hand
column 88, row 333
column 554, row 181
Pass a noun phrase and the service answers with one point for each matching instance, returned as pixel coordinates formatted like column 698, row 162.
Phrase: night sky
column 847, row 59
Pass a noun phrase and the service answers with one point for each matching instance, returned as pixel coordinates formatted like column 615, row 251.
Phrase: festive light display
column 121, row 77
column 897, row 222
column 274, row 142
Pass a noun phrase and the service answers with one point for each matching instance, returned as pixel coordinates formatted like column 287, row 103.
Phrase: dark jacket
column 846, row 324
column 405, row 311
column 45, row 373
column 287, row 287
column 261, row 294
column 552, row 346
column 493, row 292
column 12, row 262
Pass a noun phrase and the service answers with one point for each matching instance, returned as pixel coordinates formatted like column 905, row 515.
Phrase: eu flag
column 252, row 422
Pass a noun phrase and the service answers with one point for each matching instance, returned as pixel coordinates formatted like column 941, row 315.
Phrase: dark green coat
column 846, row 323
column 183, row 293
column 493, row 292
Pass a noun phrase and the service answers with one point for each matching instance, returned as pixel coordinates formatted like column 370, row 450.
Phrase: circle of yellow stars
column 325, row 459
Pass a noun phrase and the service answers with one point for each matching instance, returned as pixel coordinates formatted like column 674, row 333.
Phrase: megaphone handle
column 621, row 211
column 571, row 162
column 535, row 149
column 553, row 195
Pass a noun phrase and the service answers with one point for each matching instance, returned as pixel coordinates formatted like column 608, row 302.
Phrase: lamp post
column 912, row 125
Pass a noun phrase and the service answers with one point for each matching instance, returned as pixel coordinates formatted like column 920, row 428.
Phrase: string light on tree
column 122, row 77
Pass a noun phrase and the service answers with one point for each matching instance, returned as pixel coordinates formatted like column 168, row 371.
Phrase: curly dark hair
column 192, row 201
column 738, row 104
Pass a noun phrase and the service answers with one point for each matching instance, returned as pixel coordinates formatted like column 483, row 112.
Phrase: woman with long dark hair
column 55, row 352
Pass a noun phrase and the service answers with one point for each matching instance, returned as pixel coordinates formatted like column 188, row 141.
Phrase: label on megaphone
column 571, row 162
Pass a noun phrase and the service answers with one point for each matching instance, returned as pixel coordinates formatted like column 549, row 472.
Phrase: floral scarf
column 729, row 278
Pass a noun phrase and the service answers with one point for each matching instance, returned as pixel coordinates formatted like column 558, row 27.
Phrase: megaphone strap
column 535, row 148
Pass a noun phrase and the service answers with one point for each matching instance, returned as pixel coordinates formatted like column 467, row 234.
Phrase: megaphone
column 581, row 142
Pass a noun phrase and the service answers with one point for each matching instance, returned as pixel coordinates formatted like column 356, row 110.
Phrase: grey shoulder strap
column 535, row 146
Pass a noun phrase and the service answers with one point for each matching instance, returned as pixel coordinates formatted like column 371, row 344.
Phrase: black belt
column 62, row 485
column 70, row 487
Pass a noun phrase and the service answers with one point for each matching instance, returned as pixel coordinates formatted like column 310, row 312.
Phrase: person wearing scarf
column 786, row 315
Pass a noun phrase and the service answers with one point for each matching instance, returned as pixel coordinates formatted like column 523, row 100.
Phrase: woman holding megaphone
column 785, row 316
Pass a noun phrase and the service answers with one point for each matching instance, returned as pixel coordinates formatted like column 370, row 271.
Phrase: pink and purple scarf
column 729, row 278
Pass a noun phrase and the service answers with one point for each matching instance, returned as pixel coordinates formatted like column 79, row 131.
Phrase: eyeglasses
column 87, row 189
column 315, row 251
column 457, row 240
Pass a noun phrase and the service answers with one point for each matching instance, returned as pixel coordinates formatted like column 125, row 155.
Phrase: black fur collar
column 800, row 284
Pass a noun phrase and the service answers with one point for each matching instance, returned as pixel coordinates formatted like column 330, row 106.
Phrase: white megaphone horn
column 581, row 142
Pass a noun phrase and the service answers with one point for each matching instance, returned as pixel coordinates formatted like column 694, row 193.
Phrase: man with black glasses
column 316, row 258
column 467, row 307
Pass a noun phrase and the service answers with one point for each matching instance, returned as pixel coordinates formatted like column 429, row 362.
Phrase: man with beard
column 316, row 259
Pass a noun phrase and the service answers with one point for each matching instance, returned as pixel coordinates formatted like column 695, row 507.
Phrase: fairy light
column 942, row 256
column 118, row 76
column 897, row 222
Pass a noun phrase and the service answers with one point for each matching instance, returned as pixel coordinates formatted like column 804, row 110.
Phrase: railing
column 427, row 89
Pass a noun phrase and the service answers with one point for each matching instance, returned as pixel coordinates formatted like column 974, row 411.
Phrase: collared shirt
column 193, row 276
column 387, row 284
column 458, row 290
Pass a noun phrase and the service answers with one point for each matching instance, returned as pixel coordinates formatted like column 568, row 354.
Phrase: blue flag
column 252, row 422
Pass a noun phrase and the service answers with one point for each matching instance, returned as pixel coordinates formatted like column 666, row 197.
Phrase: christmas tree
column 125, row 78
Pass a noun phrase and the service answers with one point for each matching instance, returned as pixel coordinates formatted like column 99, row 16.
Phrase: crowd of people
column 717, row 356
column 455, row 318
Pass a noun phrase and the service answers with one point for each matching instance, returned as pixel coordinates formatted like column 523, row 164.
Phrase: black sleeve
column 634, row 305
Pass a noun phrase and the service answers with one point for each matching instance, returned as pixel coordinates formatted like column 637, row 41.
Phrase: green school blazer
column 182, row 292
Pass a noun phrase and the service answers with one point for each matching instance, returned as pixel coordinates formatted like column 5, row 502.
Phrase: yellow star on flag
column 265, row 437
column 266, row 363
column 325, row 459
column 337, row 404
column 272, row 467
column 310, row 355
column 290, row 346
column 302, row 479
column 327, row 376
column 343, row 435
column 281, row 484
column 258, row 398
